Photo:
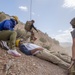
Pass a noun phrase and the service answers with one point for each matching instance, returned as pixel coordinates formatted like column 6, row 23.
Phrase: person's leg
column 7, row 35
column 46, row 55
column 27, row 35
column 63, row 57
column 4, row 35
column 4, row 45
column 12, row 40
column 12, row 44
column 32, row 35
column 32, row 38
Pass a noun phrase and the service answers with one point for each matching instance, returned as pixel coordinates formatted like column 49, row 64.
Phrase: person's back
column 28, row 25
column 1, row 25
column 7, row 24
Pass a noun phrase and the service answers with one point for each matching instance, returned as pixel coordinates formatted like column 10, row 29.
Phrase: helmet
column 72, row 22
column 17, row 42
column 15, row 18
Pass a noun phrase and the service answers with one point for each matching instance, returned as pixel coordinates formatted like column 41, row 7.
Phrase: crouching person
column 33, row 49
column 7, row 33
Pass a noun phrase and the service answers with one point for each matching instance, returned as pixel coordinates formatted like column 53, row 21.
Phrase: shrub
column 20, row 33
column 2, row 16
column 56, row 42
column 47, row 47
column 42, row 40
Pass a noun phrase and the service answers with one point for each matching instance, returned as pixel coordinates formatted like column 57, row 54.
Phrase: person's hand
column 40, row 48
column 72, row 62
column 35, row 39
column 71, row 65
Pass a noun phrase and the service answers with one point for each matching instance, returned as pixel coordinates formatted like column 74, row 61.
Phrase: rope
column 30, row 9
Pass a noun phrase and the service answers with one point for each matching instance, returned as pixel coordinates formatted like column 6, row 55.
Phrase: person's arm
column 73, row 49
column 34, row 27
column 36, row 49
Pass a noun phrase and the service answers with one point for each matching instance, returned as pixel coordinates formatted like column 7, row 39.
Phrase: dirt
column 27, row 65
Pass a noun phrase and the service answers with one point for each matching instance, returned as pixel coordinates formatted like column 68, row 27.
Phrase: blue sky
column 51, row 16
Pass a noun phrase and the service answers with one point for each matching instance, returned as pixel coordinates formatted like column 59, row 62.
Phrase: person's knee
column 14, row 32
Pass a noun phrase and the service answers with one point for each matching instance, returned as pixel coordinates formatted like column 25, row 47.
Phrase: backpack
column 28, row 25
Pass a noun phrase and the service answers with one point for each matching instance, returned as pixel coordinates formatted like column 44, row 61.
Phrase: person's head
column 15, row 18
column 19, row 42
column 72, row 22
column 32, row 21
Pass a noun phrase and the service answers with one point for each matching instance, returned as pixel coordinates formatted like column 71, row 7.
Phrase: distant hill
column 68, row 47
column 66, row 44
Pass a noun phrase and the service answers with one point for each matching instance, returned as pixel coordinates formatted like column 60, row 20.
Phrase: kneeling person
column 8, row 34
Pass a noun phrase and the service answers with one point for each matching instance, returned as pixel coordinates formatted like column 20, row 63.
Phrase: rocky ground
column 27, row 65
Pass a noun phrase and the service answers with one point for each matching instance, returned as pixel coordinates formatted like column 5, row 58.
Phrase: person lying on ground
column 33, row 49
